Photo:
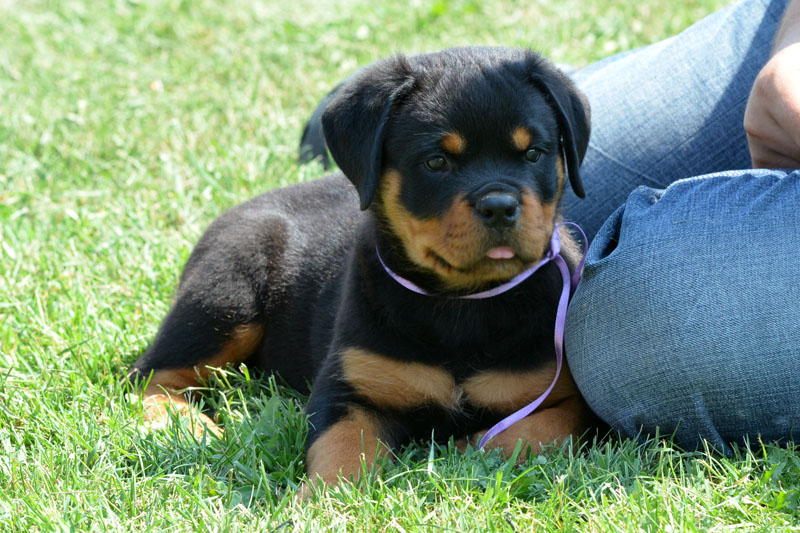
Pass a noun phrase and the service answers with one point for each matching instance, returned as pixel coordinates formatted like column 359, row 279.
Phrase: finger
column 765, row 157
column 769, row 142
column 787, row 116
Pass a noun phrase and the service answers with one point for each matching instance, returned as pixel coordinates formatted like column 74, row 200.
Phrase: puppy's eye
column 533, row 155
column 436, row 164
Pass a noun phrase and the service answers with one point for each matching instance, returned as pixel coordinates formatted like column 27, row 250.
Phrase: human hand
column 772, row 115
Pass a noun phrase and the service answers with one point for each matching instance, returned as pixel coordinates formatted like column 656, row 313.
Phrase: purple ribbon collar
column 570, row 283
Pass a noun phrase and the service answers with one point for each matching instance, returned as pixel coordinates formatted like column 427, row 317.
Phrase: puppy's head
column 463, row 155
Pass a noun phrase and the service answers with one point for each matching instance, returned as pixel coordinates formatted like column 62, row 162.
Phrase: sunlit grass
column 125, row 128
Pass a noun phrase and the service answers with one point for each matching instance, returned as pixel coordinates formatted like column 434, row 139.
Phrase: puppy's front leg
column 341, row 449
column 552, row 424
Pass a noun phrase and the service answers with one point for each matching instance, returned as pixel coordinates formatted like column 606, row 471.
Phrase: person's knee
column 686, row 318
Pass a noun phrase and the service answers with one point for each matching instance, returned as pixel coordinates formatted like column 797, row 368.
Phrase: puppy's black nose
column 498, row 210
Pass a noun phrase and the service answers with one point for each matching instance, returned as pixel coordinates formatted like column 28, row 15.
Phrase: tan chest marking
column 507, row 391
column 387, row 382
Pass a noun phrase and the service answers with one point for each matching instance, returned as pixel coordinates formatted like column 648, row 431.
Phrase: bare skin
column 772, row 115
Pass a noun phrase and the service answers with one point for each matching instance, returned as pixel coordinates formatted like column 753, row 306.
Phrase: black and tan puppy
column 457, row 160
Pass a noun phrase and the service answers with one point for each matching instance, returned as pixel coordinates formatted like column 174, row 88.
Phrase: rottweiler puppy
column 453, row 167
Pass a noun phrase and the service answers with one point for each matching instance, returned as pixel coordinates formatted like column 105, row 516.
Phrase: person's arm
column 772, row 116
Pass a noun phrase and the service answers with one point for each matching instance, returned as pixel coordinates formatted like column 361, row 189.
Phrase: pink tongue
column 501, row 252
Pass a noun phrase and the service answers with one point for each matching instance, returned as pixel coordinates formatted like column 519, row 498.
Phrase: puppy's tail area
column 312, row 145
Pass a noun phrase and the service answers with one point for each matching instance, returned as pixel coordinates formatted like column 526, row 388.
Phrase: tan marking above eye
column 388, row 382
column 521, row 138
column 454, row 143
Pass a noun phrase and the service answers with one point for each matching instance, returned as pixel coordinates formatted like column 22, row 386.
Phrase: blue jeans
column 687, row 320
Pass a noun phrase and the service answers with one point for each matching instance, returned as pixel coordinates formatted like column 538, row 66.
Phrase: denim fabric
column 671, row 110
column 687, row 319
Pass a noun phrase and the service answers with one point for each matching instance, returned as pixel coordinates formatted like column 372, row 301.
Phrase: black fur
column 302, row 260
column 571, row 107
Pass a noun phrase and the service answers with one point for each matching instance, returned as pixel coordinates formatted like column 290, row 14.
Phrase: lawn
column 125, row 128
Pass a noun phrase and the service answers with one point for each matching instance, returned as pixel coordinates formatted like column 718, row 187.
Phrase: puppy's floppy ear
column 354, row 123
column 574, row 119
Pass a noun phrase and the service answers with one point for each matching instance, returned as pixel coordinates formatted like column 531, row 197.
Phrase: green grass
column 125, row 128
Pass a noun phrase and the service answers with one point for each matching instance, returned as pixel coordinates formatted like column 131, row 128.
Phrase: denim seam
column 716, row 118
column 647, row 179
